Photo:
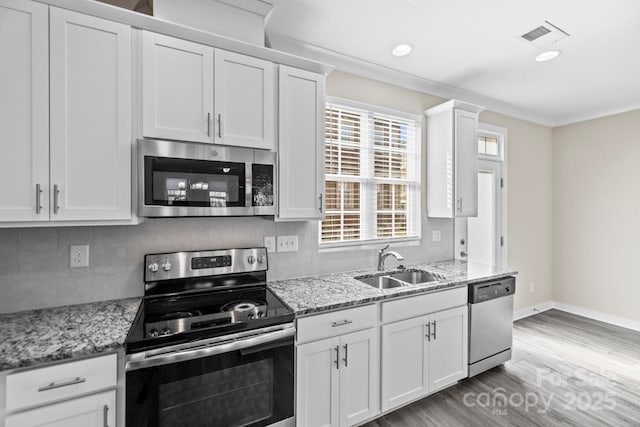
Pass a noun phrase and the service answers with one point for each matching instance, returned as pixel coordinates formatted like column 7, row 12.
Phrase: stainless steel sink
column 398, row 279
column 414, row 277
column 381, row 282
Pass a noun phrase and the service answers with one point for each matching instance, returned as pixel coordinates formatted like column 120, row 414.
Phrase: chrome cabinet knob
column 153, row 267
column 463, row 254
column 166, row 266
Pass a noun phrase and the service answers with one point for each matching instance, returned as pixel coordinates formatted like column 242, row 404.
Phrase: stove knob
column 251, row 260
column 166, row 266
column 153, row 333
column 165, row 331
column 260, row 259
column 153, row 267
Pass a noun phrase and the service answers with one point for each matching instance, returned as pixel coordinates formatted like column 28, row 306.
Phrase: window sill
column 367, row 245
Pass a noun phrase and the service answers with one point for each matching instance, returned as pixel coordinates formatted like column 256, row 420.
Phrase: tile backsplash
column 34, row 262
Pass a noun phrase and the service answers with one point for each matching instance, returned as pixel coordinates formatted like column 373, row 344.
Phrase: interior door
column 244, row 100
column 90, row 66
column 24, row 111
column 448, row 347
column 359, row 390
column 318, row 384
column 405, row 374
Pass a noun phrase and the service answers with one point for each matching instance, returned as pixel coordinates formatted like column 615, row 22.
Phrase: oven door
column 247, row 381
column 189, row 179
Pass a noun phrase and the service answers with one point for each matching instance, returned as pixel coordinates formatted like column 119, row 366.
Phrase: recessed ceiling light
column 547, row 56
column 402, row 49
column 408, row 1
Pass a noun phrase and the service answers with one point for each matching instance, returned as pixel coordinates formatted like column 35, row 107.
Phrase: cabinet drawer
column 407, row 308
column 44, row 385
column 336, row 323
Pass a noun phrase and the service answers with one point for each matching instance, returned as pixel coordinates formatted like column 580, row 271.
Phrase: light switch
column 436, row 235
column 287, row 243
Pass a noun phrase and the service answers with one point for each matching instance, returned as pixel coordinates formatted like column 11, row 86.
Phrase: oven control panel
column 180, row 265
column 210, row 262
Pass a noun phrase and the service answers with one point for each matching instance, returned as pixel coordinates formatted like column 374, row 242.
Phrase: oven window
column 219, row 398
column 252, row 387
column 201, row 183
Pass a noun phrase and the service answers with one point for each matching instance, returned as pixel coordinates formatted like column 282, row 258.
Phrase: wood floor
column 566, row 370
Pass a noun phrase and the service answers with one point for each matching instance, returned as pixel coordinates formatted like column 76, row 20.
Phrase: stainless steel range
column 211, row 345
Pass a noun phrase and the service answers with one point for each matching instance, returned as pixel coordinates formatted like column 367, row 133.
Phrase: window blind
column 372, row 166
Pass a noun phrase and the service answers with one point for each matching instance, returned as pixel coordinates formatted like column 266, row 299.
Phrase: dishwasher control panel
column 485, row 291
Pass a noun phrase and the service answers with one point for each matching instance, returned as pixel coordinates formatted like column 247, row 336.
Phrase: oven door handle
column 198, row 352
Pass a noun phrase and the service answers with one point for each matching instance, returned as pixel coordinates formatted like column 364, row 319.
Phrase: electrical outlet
column 79, row 256
column 436, row 235
column 270, row 243
column 287, row 243
column 532, row 287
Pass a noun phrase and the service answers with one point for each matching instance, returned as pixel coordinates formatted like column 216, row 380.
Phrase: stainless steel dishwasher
column 490, row 323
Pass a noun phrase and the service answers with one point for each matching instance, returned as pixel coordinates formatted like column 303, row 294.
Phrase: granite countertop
column 39, row 336
column 313, row 294
column 29, row 338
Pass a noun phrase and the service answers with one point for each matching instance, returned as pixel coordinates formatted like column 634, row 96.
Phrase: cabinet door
column 24, row 110
column 448, row 349
column 90, row 69
column 301, row 144
column 177, row 89
column 405, row 374
column 95, row 410
column 318, row 384
column 244, row 101
column 359, row 389
column 466, row 162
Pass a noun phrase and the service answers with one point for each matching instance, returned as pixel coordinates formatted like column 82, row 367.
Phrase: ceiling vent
column 543, row 35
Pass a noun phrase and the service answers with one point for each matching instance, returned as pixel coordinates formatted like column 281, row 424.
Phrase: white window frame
column 365, row 218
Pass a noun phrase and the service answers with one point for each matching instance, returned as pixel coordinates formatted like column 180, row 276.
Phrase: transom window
column 372, row 166
column 488, row 145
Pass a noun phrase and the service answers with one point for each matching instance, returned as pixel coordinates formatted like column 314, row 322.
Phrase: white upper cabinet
column 244, row 101
column 193, row 92
column 177, row 89
column 301, row 144
column 24, row 111
column 91, row 94
column 452, row 153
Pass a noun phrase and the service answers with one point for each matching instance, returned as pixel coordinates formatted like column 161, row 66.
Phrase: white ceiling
column 474, row 46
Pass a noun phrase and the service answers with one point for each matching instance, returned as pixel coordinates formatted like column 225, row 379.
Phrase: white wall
column 596, row 204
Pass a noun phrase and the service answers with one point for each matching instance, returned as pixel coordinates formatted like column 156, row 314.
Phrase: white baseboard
column 598, row 315
column 573, row 309
column 534, row 309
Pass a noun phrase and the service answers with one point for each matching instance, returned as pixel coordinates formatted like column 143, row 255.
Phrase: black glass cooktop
column 174, row 319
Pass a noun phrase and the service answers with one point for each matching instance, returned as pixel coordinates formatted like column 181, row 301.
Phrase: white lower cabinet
column 422, row 355
column 337, row 380
column 96, row 410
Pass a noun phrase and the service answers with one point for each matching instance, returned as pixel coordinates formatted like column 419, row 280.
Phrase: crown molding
column 568, row 120
column 353, row 65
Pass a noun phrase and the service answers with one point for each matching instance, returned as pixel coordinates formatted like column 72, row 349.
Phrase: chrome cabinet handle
column 38, row 194
column 208, row 124
column 56, row 194
column 428, row 325
column 54, row 385
column 320, row 197
column 219, row 125
column 346, row 354
column 434, row 330
column 337, row 349
column 341, row 323
column 105, row 416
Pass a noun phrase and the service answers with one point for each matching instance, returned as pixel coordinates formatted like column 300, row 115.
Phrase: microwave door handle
column 248, row 186
column 198, row 352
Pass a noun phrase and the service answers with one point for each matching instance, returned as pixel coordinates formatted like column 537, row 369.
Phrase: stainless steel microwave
column 187, row 179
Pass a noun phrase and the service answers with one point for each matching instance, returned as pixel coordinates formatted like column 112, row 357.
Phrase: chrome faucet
column 383, row 254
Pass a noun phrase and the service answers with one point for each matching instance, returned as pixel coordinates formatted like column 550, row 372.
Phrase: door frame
column 502, row 134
